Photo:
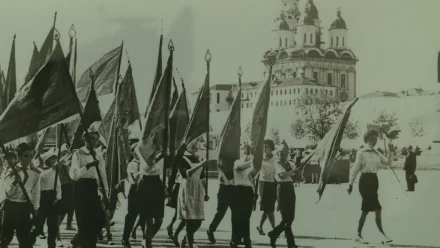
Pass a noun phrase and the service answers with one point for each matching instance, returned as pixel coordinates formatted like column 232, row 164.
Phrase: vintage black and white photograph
column 253, row 123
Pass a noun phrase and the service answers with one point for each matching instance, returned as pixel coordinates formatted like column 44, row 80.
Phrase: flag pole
column 208, row 59
column 119, row 67
column 239, row 73
column 166, row 158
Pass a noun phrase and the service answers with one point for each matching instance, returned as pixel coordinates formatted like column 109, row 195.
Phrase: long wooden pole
column 208, row 59
column 166, row 134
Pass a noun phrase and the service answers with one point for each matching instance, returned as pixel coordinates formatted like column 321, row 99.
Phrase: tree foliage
column 246, row 134
column 276, row 136
column 417, row 126
column 318, row 114
column 389, row 119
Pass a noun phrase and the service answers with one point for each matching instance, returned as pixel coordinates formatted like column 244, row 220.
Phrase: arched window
column 285, row 41
column 290, row 91
column 281, row 43
column 242, row 105
column 332, row 42
column 276, row 103
column 331, row 92
column 247, row 105
column 285, row 92
column 305, row 38
column 276, row 93
column 307, row 91
column 343, row 41
column 271, row 93
column 290, row 102
column 242, row 95
column 316, row 91
column 271, row 103
column 298, row 91
column 337, row 41
column 311, row 39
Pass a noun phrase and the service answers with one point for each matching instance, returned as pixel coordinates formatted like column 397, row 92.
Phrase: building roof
column 281, row 24
column 285, row 82
column 339, row 23
column 224, row 87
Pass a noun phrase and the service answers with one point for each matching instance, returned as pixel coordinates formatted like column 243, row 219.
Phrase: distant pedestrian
column 410, row 169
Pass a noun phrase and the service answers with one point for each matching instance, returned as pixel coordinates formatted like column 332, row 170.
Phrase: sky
column 396, row 41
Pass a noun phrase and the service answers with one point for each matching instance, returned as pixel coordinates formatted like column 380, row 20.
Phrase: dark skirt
column 286, row 198
column 269, row 196
column 65, row 205
column 368, row 186
column 172, row 203
column 151, row 195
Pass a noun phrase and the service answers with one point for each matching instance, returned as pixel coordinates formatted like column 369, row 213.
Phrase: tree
column 276, row 136
column 318, row 114
column 389, row 119
column 417, row 126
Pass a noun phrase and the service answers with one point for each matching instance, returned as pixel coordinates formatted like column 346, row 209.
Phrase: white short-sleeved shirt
column 367, row 160
column 267, row 171
column 280, row 169
column 243, row 177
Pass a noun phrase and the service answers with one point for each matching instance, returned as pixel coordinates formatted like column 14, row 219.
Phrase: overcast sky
column 396, row 41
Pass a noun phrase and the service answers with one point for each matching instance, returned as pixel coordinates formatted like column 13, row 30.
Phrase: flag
column 106, row 71
column 118, row 151
column 329, row 146
column 45, row 51
column 200, row 117
column 105, row 128
column 41, row 140
column 154, row 135
column 128, row 104
column 71, row 56
column 179, row 120
column 91, row 113
column 47, row 99
column 229, row 147
column 2, row 90
column 175, row 95
column 158, row 74
column 259, row 123
column 33, row 68
column 11, row 78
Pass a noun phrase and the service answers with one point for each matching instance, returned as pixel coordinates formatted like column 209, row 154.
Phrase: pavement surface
column 410, row 218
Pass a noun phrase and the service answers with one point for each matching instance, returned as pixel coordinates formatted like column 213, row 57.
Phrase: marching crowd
column 76, row 181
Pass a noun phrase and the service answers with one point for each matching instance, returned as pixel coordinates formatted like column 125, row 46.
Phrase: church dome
column 308, row 20
column 311, row 10
column 339, row 23
column 281, row 24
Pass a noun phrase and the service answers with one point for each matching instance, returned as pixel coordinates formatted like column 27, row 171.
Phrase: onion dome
column 339, row 23
column 281, row 24
column 311, row 10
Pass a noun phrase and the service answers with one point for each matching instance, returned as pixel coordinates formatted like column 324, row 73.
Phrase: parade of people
column 103, row 159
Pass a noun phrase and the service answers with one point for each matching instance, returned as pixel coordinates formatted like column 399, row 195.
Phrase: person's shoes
column 211, row 237
column 386, row 240
column 126, row 244
column 112, row 223
column 175, row 241
column 260, row 230
column 170, row 231
column 273, row 239
column 233, row 245
column 361, row 240
column 110, row 240
column 183, row 243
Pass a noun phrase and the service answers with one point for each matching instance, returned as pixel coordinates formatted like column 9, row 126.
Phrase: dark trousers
column 223, row 203
column 67, row 202
column 241, row 209
column 132, row 212
column 411, row 186
column 286, row 202
column 48, row 212
column 191, row 227
column 90, row 216
column 16, row 217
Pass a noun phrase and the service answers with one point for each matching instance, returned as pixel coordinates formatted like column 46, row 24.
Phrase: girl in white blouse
column 268, row 186
column 368, row 162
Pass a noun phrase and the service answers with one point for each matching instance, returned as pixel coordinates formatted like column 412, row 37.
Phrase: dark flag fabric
column 179, row 120
column 47, row 99
column 259, row 123
column 118, row 151
column 11, row 78
column 45, row 51
column 105, row 127
column 154, row 138
column 2, row 90
column 329, row 147
column 33, row 65
column 175, row 95
column 158, row 74
column 128, row 104
column 106, row 74
column 197, row 125
column 91, row 113
column 229, row 147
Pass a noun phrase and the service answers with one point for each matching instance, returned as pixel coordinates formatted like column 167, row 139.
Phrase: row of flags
column 51, row 95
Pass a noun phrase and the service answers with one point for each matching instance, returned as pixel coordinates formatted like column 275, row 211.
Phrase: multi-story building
column 304, row 65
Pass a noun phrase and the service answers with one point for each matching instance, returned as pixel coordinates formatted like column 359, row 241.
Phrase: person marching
column 50, row 186
column 16, row 211
column 268, row 186
column 191, row 205
column 243, row 199
column 89, row 213
column 410, row 169
column 286, row 198
column 133, row 176
column 224, row 201
column 368, row 162
column 150, row 197
column 172, row 203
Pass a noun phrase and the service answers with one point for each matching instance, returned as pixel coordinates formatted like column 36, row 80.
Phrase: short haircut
column 369, row 134
column 270, row 144
column 22, row 148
